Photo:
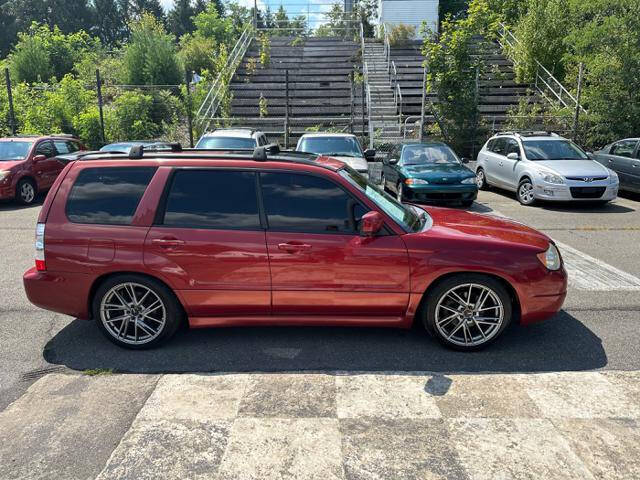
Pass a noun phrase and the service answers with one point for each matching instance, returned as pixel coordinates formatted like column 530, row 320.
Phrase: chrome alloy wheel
column 469, row 314
column 480, row 179
column 525, row 192
column 133, row 313
column 27, row 192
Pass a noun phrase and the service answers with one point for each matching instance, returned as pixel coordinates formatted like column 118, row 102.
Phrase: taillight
column 40, row 263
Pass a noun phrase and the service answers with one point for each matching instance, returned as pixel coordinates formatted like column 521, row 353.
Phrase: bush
column 132, row 118
column 401, row 34
column 30, row 61
column 87, row 126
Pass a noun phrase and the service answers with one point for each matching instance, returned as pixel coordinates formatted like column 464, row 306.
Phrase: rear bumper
column 66, row 293
column 440, row 193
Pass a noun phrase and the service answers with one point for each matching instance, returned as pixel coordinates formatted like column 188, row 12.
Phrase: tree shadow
column 560, row 344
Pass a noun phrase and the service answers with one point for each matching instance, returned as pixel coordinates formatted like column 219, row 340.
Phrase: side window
column 62, row 147
column 219, row 199
column 108, row 196
column 491, row 144
column 624, row 148
column 72, row 146
column 306, row 203
column 500, row 146
column 512, row 147
column 46, row 148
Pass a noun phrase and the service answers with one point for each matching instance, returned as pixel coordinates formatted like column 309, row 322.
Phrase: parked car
column 428, row 172
column 28, row 164
column 138, row 245
column 237, row 138
column 343, row 146
column 623, row 157
column 543, row 166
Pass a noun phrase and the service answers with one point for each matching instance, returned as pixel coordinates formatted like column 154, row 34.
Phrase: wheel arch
column 104, row 277
column 515, row 300
column 30, row 178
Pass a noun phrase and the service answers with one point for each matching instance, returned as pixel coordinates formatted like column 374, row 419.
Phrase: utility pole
column 189, row 108
column 12, row 117
column 99, row 91
column 578, row 94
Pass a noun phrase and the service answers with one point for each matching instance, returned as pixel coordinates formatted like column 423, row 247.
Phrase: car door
column 320, row 265
column 635, row 169
column 493, row 156
column 507, row 175
column 621, row 156
column 209, row 239
column 46, row 170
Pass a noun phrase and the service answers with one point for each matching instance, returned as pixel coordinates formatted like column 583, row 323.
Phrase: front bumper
column 440, row 193
column 576, row 191
column 7, row 192
column 543, row 297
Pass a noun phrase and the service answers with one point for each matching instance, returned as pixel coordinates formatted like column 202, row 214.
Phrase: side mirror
column 513, row 156
column 39, row 158
column 393, row 161
column 371, row 223
column 369, row 154
column 465, row 160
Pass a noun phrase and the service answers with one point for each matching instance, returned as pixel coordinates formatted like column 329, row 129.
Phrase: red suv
column 139, row 245
column 28, row 164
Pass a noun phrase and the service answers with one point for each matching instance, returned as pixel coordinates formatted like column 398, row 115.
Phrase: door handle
column 294, row 247
column 167, row 242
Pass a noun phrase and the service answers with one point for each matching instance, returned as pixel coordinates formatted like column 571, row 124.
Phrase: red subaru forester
column 139, row 245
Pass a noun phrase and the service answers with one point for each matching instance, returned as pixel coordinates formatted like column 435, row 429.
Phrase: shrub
column 401, row 34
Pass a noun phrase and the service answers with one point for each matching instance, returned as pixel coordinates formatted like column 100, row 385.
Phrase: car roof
column 33, row 138
column 233, row 132
column 325, row 134
column 428, row 142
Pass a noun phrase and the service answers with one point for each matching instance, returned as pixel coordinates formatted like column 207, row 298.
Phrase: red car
column 28, row 164
column 139, row 245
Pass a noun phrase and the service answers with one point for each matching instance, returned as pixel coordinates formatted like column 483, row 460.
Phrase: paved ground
column 500, row 422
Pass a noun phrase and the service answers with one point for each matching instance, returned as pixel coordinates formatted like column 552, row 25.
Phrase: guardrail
column 543, row 77
column 211, row 102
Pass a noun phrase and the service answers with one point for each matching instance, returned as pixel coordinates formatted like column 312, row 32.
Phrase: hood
column 438, row 172
column 10, row 164
column 574, row 168
column 357, row 163
column 477, row 226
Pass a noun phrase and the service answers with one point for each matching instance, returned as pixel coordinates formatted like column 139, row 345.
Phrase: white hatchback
column 543, row 166
column 343, row 146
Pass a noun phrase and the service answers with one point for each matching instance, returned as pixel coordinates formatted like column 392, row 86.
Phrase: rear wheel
column 136, row 312
column 468, row 311
column 26, row 191
column 525, row 192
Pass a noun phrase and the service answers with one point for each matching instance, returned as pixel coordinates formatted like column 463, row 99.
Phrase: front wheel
column 481, row 180
column 26, row 191
column 525, row 192
column 468, row 311
column 134, row 311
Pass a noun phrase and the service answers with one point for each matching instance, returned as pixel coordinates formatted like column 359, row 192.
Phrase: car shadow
column 11, row 205
column 560, row 344
column 629, row 195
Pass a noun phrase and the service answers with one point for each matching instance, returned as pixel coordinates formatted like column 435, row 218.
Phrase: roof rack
column 250, row 129
column 530, row 133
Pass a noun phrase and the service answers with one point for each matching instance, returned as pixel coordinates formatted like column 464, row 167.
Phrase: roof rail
column 529, row 133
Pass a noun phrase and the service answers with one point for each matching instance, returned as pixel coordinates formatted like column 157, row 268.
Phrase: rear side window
column 218, row 199
column 108, row 196
column 307, row 203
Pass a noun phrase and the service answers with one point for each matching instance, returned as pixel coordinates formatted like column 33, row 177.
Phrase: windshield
column 399, row 212
column 334, row 146
column 14, row 150
column 238, row 143
column 553, row 150
column 428, row 154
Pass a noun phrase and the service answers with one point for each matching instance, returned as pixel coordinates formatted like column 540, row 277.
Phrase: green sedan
column 428, row 172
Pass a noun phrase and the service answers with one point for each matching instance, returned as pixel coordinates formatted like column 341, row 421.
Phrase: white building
column 409, row 12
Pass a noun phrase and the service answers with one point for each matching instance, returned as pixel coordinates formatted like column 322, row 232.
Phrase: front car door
column 621, row 156
column 46, row 171
column 320, row 265
column 493, row 156
column 390, row 170
column 209, row 239
column 507, row 171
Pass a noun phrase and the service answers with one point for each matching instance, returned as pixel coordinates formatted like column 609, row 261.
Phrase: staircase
column 384, row 111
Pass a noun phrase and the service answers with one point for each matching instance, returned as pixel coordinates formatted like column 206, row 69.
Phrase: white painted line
column 588, row 273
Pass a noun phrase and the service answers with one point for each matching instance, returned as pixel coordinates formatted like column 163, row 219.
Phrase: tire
column 525, row 193
column 162, row 321
column 481, row 180
column 399, row 192
column 26, row 191
column 461, row 331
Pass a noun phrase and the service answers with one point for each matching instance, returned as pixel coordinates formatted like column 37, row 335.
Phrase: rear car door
column 493, row 156
column 320, row 265
column 507, row 170
column 208, row 237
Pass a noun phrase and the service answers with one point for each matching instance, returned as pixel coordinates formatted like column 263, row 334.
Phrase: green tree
column 197, row 53
column 30, row 61
column 150, row 56
column 180, row 18
column 110, row 21
column 138, row 7
column 7, row 28
column 209, row 24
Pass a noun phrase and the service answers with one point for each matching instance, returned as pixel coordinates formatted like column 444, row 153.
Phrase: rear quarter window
column 107, row 196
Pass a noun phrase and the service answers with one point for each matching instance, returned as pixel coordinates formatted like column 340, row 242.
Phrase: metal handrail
column 211, row 102
column 511, row 40
column 398, row 96
column 387, row 46
column 365, row 79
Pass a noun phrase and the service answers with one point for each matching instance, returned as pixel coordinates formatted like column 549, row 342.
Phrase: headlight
column 550, row 258
column 4, row 174
column 613, row 178
column 552, row 178
column 468, row 181
column 416, row 181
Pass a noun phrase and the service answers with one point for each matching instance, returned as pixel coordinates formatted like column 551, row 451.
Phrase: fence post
column 12, row 117
column 286, row 108
column 99, row 91
column 424, row 97
column 351, row 104
column 189, row 107
column 578, row 93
